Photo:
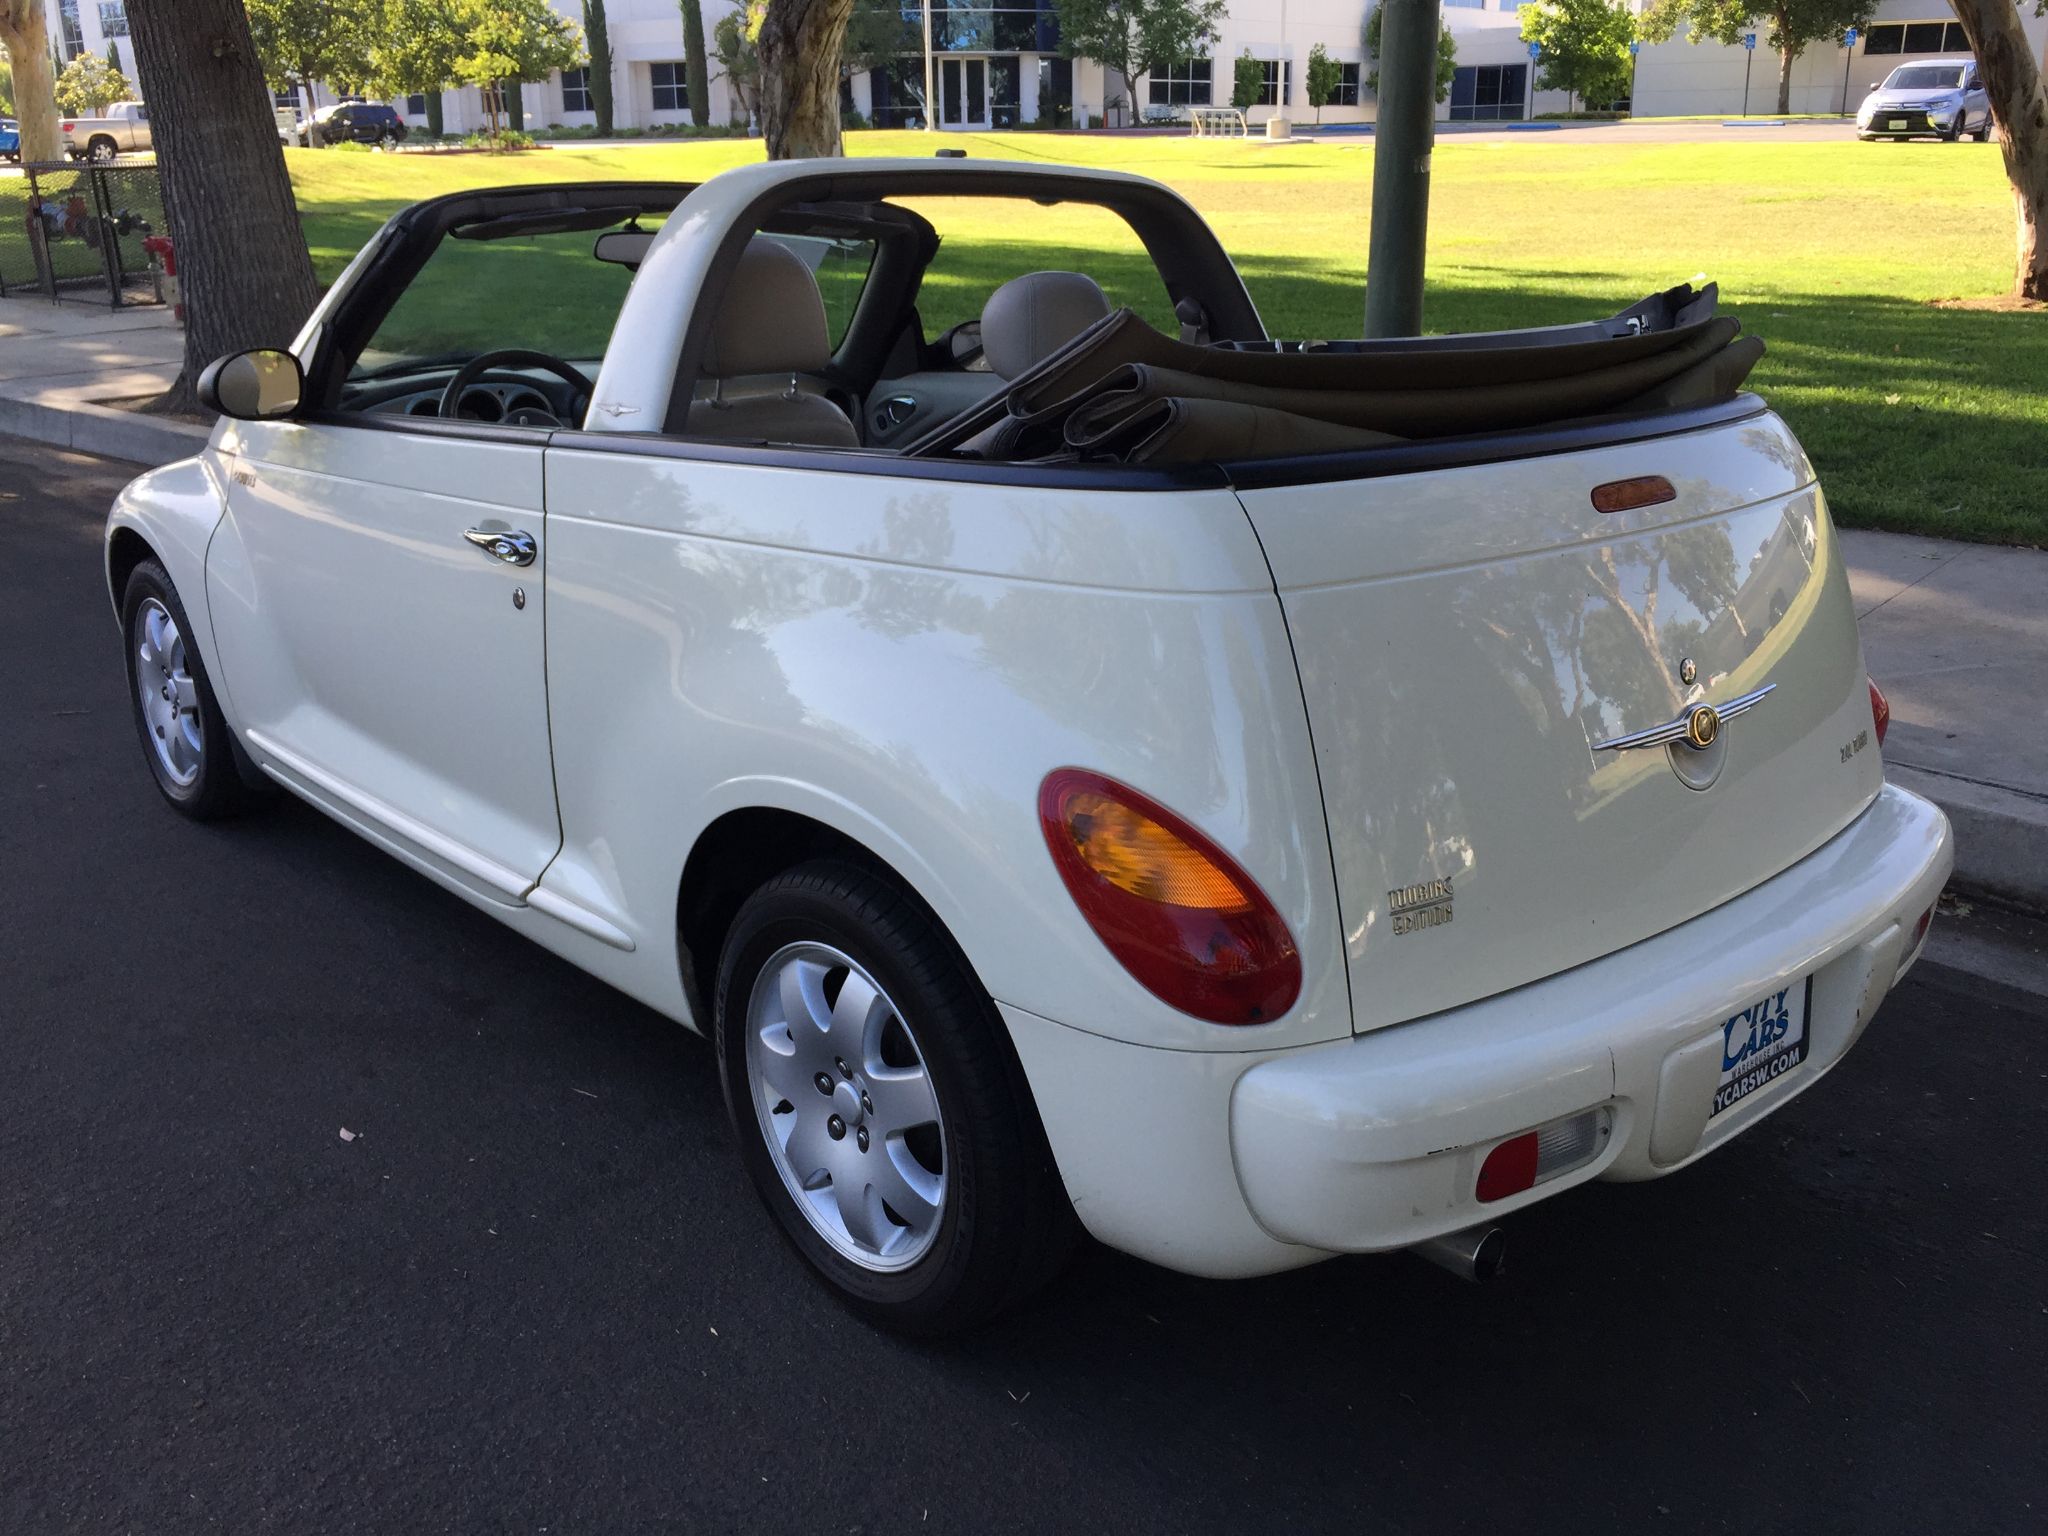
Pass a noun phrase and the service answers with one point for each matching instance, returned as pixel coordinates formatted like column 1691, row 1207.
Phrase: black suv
column 367, row 122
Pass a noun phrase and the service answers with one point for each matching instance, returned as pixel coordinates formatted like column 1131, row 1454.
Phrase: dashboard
column 515, row 399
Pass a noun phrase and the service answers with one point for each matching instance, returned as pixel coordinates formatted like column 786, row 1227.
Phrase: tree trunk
column 696, row 67
column 800, row 43
column 2019, row 105
column 26, row 36
column 1786, row 55
column 243, row 271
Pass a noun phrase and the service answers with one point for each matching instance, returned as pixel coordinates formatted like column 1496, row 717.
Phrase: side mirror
column 263, row 385
column 623, row 247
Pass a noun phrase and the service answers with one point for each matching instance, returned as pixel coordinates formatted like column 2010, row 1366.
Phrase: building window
column 113, row 18
column 1183, row 83
column 1278, row 85
column 671, row 87
column 288, row 97
column 576, row 91
column 1489, row 92
column 1346, row 93
column 1467, row 5
column 416, row 104
column 72, row 38
column 1916, row 37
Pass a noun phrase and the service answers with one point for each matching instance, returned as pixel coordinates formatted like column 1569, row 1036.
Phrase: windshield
column 1926, row 77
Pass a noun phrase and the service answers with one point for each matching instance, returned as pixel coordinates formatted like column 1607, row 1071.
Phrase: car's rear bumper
column 1224, row 1163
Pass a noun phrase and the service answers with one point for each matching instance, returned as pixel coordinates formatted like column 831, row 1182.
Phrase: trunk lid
column 1468, row 637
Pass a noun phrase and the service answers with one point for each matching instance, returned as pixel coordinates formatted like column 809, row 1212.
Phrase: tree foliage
column 1788, row 27
column 1247, row 81
column 1585, row 46
column 1446, row 54
column 1137, row 37
column 88, row 86
column 301, row 41
column 597, row 43
column 413, row 47
column 500, row 41
column 696, row 67
column 1325, row 74
column 739, row 61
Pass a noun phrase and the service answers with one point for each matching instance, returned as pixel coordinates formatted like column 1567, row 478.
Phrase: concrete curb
column 2001, row 836
column 103, row 430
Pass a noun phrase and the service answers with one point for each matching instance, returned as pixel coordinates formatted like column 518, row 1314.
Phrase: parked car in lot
column 122, row 130
column 1939, row 101
column 363, row 122
column 10, row 139
column 1086, row 764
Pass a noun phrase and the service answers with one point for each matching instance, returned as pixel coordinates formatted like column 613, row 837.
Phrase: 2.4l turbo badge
column 1427, row 905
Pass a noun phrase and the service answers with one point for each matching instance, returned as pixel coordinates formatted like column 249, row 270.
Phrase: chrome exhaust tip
column 1477, row 1254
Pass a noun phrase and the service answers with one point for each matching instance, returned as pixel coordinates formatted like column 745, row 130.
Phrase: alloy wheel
column 846, row 1106
column 167, row 693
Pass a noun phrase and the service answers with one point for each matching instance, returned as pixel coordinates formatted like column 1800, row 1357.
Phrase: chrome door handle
column 513, row 547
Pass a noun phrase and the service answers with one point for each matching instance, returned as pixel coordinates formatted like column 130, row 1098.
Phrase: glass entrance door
column 963, row 93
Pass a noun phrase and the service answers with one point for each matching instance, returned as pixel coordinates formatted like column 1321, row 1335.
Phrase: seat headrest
column 771, row 319
column 1031, row 317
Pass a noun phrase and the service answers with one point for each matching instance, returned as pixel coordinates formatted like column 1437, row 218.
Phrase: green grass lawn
column 1920, row 417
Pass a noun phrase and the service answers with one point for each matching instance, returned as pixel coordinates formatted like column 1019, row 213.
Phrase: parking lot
column 325, row 1201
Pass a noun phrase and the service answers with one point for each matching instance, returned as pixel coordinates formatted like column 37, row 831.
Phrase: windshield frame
column 1894, row 83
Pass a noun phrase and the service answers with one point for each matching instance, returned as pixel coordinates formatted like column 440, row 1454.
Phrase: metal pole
column 1848, row 59
column 1635, row 61
column 1404, row 133
column 931, row 100
column 1748, row 58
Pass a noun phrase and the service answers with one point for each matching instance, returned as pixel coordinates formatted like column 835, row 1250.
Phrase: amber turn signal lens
column 1176, row 911
column 1627, row 495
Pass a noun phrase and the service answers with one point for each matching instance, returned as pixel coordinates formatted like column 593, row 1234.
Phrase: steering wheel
column 510, row 357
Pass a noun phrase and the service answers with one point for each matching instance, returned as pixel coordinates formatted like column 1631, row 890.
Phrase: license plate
column 1895, row 123
column 1762, row 1043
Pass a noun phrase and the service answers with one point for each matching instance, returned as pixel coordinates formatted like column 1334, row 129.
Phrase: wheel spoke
column 859, row 1209
column 803, row 1000
column 183, row 758
column 147, row 657
column 777, row 1061
column 857, row 1018
column 902, row 1097
column 185, row 692
column 913, row 1191
column 809, row 1150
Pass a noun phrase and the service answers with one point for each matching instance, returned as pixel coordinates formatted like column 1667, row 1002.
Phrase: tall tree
column 1325, row 74
column 740, row 62
column 1790, row 26
column 502, row 42
column 1247, row 81
column 1137, row 37
column 114, row 56
column 1446, row 53
column 243, row 271
column 799, row 43
column 1585, row 46
column 696, row 66
column 412, row 52
column 304, row 41
column 26, row 35
column 597, row 38
column 2019, row 103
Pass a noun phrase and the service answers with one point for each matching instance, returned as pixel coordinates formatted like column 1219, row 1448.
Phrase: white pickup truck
column 1084, row 763
column 122, row 130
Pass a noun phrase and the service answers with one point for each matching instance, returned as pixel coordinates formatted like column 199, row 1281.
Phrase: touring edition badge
column 1427, row 905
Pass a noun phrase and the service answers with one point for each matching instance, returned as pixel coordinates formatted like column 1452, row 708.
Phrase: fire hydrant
column 163, row 267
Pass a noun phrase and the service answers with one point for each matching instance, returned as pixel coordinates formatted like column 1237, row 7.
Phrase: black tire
column 216, row 790
column 101, row 149
column 1005, row 1227
column 1955, row 133
column 1983, row 134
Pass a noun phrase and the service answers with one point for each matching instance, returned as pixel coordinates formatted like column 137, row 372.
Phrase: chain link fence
column 75, row 232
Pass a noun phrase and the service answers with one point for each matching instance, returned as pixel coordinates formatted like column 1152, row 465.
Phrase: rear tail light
column 1176, row 911
column 1548, row 1152
column 1880, row 711
column 66, row 127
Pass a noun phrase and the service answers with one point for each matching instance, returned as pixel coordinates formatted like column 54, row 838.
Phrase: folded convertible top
column 1121, row 390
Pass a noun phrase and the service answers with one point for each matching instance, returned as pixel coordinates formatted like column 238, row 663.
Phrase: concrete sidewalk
column 1955, row 634
column 1957, row 637
column 60, row 362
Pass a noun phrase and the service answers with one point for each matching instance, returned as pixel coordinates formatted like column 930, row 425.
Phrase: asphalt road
column 535, row 1292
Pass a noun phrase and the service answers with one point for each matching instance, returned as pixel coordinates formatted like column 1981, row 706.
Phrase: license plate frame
column 1763, row 1043
column 1895, row 124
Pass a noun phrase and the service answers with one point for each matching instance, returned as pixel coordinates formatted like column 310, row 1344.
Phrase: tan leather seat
column 770, row 328
column 1031, row 317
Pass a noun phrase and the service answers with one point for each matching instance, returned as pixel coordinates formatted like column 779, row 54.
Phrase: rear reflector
column 1880, row 711
column 1627, row 495
column 1920, row 930
column 1524, row 1161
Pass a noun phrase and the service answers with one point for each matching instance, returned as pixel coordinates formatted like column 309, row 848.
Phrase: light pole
column 1404, row 133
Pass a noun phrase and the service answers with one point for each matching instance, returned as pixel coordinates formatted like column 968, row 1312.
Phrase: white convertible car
column 1086, row 764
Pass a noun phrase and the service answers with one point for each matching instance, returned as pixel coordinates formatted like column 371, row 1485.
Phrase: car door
column 379, row 612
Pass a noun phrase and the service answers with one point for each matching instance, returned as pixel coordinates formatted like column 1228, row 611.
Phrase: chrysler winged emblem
column 1699, row 727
